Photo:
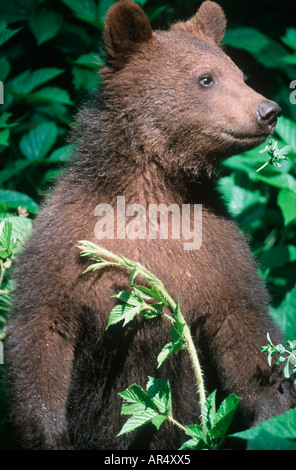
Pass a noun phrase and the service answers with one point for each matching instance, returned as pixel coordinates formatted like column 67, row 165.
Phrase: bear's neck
column 110, row 162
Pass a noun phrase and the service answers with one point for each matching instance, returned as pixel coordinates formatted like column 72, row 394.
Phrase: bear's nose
column 269, row 112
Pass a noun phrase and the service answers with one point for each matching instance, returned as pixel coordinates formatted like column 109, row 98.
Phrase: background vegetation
column 50, row 52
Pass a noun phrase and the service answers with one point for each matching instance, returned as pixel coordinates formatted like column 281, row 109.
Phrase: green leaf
column 286, row 130
column 153, row 293
column 102, row 9
column 4, row 136
column 6, row 33
column 224, row 416
column 15, row 199
column 21, row 226
column 194, row 430
column 209, row 410
column 51, row 94
column 44, row 25
column 158, row 420
column 4, row 68
column 3, row 121
column 7, row 242
column 179, row 319
column 238, row 199
column 13, row 232
column 249, row 39
column 84, row 79
column 284, row 314
column 137, row 420
column 85, row 10
column 287, row 202
column 277, row 256
column 160, row 392
column 37, row 143
column 89, row 60
column 62, row 154
column 272, row 433
column 28, row 81
column 177, row 344
column 123, row 313
column 265, row 50
column 142, row 407
column 194, row 444
column 290, row 38
column 282, row 181
column 136, row 394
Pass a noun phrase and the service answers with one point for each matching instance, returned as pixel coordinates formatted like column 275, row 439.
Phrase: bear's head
column 179, row 96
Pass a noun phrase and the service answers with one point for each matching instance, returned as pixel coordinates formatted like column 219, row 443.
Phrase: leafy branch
column 275, row 154
column 155, row 405
column 287, row 354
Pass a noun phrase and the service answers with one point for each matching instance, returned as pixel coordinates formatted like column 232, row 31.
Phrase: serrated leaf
column 6, row 33
column 102, row 9
column 4, row 136
column 37, row 143
column 85, row 10
column 208, row 410
column 137, row 420
column 89, row 60
column 132, row 408
column 194, row 444
column 137, row 399
column 160, row 392
column 4, row 68
column 44, row 25
column 284, row 314
column 194, row 430
column 84, row 79
column 28, row 81
column 6, row 239
column 62, row 154
column 15, row 199
column 287, row 369
column 272, row 433
column 287, row 202
column 224, row 416
column 3, row 121
column 170, row 348
column 158, row 420
column 136, row 394
column 51, row 94
column 179, row 319
column 123, row 313
column 152, row 293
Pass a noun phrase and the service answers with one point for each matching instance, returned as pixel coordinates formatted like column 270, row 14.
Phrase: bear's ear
column 126, row 27
column 209, row 23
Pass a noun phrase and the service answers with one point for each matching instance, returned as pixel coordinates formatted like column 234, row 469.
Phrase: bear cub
column 170, row 107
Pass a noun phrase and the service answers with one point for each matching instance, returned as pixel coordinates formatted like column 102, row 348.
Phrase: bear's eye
column 206, row 80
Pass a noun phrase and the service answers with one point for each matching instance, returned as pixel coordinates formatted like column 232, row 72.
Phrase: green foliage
column 287, row 354
column 155, row 405
column 50, row 53
column 277, row 433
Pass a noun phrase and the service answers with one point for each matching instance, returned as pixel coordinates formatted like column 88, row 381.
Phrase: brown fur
column 154, row 135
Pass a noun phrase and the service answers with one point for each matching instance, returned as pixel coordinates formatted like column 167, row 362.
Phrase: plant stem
column 261, row 168
column 176, row 423
column 90, row 249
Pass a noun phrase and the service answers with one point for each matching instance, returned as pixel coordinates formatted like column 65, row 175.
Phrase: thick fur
column 154, row 135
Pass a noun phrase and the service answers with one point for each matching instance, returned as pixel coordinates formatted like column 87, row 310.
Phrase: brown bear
column 171, row 105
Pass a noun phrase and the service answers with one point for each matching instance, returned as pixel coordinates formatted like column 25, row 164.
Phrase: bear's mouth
column 250, row 136
column 242, row 137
